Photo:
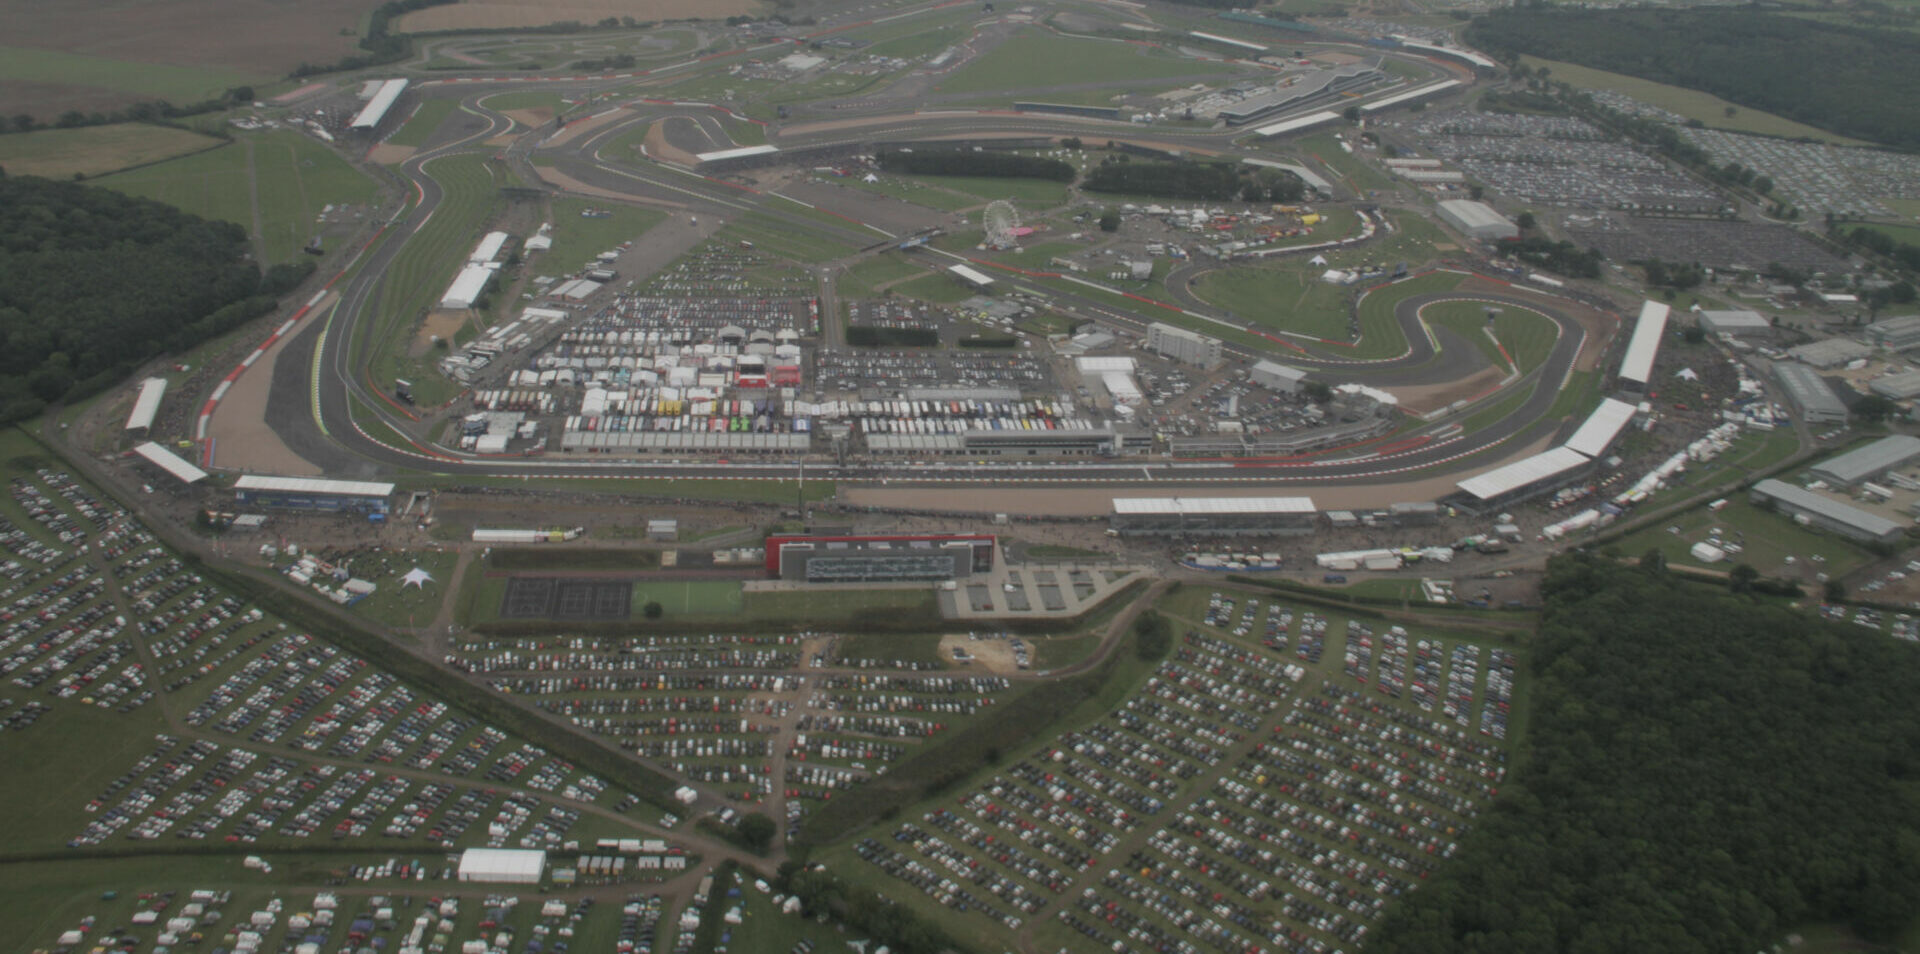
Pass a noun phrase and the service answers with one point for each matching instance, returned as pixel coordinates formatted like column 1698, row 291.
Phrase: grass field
column 938, row 289
column 1031, row 60
column 921, row 648
column 698, row 598
column 1527, row 336
column 775, row 237
column 395, row 605
column 577, row 240
column 287, row 182
column 839, row 605
column 923, row 43
column 94, row 150
column 1693, row 104
column 861, row 280
column 1768, row 538
column 1037, row 193
column 1359, row 176
column 1380, row 335
column 420, row 126
column 180, row 85
column 1281, row 298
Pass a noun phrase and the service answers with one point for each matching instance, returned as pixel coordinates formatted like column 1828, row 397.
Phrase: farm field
column 94, row 150
column 1693, row 104
column 279, row 181
column 509, row 14
column 1032, row 61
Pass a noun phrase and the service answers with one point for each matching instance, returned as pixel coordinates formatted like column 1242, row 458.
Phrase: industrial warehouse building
column 1187, row 347
column 1827, row 514
column 313, row 494
column 1831, row 353
column 1214, row 516
column 502, row 865
column 1862, row 464
column 1739, row 323
column 1896, row 334
column 895, row 558
column 1520, row 480
column 1478, row 220
column 1276, row 376
column 1810, row 395
column 1897, row 387
column 1636, row 366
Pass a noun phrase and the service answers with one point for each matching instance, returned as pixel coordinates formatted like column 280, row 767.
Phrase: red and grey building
column 881, row 558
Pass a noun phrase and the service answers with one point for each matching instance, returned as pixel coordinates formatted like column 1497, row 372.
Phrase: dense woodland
column 1704, row 772
column 93, row 283
column 1854, row 81
column 956, row 162
column 1213, row 181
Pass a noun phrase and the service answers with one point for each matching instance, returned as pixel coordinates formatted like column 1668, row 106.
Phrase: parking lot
column 1817, row 177
column 1273, row 784
column 1557, row 160
column 1717, row 244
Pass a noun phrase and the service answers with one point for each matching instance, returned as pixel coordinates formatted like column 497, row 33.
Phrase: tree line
column 94, row 283
column 1849, row 80
column 959, row 162
column 1210, row 181
column 1704, row 771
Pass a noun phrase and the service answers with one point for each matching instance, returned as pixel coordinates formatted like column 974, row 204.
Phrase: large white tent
column 502, row 865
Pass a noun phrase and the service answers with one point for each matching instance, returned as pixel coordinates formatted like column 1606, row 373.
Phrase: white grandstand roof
column 147, row 404
column 1637, row 364
column 1230, row 41
column 1520, row 473
column 1306, row 175
column 1601, row 427
column 740, row 153
column 970, row 274
column 1212, row 505
column 313, row 485
column 466, row 287
column 1468, row 55
column 170, row 462
column 488, row 249
column 1409, row 96
column 1295, row 124
column 376, row 108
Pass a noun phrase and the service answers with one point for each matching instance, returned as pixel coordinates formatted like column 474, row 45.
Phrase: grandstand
column 1636, row 366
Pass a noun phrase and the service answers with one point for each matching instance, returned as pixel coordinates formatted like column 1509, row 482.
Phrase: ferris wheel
column 1000, row 220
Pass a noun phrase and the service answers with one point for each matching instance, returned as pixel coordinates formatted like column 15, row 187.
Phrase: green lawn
column 694, row 598
column 180, row 85
column 1032, row 60
column 1027, row 192
column 94, row 150
column 922, row 648
column 577, row 240
column 1359, row 176
column 293, row 178
column 911, row 190
column 1282, row 298
column 1693, row 104
column 776, row 237
column 421, row 125
column 1769, row 538
column 921, row 43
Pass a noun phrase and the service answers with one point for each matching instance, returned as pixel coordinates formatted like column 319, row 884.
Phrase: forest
column 93, row 283
column 1850, row 80
column 1218, row 181
column 1705, row 771
column 955, row 162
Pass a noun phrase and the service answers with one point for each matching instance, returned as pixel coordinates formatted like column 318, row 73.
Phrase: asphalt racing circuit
column 324, row 369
